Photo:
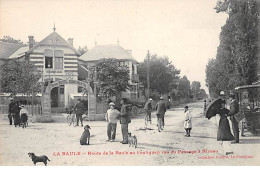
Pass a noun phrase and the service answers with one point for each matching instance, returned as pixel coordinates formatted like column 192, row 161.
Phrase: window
column 48, row 58
column 58, row 63
column 59, row 54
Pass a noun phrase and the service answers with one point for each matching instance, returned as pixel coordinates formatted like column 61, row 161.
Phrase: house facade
column 57, row 59
column 124, row 58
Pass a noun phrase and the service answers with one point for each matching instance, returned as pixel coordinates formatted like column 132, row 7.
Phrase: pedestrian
column 124, row 120
column 204, row 107
column 224, row 133
column 148, row 110
column 160, row 111
column 10, row 110
column 111, row 118
column 234, row 108
column 16, row 114
column 187, row 121
column 79, row 109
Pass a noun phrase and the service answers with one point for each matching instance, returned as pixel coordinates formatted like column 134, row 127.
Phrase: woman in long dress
column 224, row 133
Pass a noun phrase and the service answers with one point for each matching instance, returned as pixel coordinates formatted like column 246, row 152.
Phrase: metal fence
column 32, row 109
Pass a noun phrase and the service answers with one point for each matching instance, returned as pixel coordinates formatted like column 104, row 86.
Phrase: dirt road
column 60, row 143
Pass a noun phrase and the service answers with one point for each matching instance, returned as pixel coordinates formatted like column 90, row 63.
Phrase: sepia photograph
column 130, row 83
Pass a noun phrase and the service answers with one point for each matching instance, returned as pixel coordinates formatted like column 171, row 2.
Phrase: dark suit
column 234, row 108
column 11, row 112
column 124, row 120
column 160, row 110
column 79, row 107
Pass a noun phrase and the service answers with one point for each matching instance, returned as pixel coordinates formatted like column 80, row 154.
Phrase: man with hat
column 79, row 108
column 234, row 108
column 160, row 110
column 111, row 118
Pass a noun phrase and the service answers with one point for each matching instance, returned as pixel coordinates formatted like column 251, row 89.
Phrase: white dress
column 187, row 120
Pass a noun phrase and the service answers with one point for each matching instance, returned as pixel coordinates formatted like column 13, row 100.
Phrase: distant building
column 59, row 60
column 123, row 56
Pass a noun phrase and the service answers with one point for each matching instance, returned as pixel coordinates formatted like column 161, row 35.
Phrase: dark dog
column 132, row 140
column 24, row 120
column 84, row 139
column 37, row 159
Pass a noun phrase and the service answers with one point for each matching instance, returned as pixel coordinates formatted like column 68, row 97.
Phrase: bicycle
column 71, row 118
column 147, row 119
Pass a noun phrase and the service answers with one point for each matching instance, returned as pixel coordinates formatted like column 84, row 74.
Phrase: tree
column 82, row 50
column 237, row 57
column 113, row 78
column 11, row 40
column 20, row 77
column 184, row 87
column 163, row 74
column 195, row 88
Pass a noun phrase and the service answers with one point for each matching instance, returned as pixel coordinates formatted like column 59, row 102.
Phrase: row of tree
column 165, row 79
column 237, row 57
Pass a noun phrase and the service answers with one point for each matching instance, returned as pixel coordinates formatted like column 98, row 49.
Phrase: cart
column 249, row 108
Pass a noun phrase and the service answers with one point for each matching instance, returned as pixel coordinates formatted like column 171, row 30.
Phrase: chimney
column 70, row 41
column 31, row 41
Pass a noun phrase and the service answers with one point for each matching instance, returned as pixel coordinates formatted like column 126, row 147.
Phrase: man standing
column 10, row 111
column 111, row 118
column 148, row 108
column 160, row 110
column 124, row 120
column 234, row 108
column 79, row 108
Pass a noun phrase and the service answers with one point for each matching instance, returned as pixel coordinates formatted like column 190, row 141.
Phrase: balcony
column 135, row 78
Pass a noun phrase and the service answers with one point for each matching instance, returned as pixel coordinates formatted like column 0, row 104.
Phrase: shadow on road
column 249, row 141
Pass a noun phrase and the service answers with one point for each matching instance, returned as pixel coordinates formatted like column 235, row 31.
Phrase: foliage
column 11, row 40
column 184, row 87
column 82, row 50
column 19, row 77
column 237, row 57
column 163, row 74
column 195, row 88
column 113, row 79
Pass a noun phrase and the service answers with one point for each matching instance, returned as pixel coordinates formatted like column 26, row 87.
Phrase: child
column 84, row 139
column 187, row 121
column 24, row 116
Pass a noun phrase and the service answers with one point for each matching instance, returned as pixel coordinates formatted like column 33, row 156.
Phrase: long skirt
column 224, row 133
column 17, row 119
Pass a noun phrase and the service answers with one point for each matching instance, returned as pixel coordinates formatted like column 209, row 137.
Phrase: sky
column 187, row 31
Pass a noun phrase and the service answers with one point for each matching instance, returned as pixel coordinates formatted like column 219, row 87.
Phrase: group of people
column 224, row 132
column 113, row 115
column 15, row 111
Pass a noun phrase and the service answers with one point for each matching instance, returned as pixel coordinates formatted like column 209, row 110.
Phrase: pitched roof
column 20, row 52
column 106, row 51
column 7, row 49
column 53, row 39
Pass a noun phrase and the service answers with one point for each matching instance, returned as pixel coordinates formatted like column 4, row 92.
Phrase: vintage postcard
column 129, row 83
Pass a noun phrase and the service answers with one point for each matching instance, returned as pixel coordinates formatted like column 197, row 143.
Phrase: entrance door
column 54, row 97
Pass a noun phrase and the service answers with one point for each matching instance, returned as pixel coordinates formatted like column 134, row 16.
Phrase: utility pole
column 148, row 75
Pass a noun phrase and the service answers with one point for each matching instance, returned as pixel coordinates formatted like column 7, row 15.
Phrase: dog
column 85, row 137
column 24, row 120
column 37, row 159
column 132, row 140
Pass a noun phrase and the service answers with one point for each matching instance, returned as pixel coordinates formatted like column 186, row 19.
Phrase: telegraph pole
column 148, row 75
